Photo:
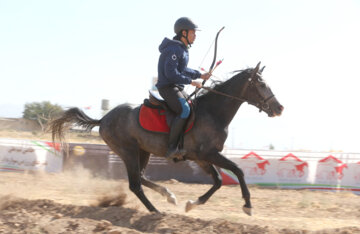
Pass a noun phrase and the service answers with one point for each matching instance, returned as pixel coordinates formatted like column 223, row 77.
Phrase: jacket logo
column 173, row 57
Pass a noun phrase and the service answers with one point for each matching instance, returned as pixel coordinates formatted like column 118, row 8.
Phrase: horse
column 214, row 110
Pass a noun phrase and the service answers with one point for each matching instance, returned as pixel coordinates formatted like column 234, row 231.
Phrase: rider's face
column 191, row 36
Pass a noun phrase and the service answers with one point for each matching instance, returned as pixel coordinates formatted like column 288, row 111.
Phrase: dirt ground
column 69, row 203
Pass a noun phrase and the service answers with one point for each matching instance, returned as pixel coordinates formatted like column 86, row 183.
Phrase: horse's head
column 257, row 92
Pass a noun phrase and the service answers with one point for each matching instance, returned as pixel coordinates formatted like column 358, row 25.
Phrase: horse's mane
column 218, row 84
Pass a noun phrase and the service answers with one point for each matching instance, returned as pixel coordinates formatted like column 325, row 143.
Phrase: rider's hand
column 205, row 76
column 197, row 84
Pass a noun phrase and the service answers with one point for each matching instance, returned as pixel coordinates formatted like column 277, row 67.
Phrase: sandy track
column 66, row 203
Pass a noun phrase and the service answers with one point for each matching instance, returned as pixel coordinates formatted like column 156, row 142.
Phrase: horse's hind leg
column 220, row 160
column 130, row 156
column 144, row 159
column 210, row 169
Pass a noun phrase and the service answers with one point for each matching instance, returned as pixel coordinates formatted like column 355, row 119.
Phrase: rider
column 173, row 74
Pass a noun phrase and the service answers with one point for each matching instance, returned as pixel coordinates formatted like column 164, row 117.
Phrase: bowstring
column 207, row 52
column 205, row 56
column 213, row 63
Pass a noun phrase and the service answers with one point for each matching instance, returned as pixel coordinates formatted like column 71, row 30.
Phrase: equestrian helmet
column 184, row 23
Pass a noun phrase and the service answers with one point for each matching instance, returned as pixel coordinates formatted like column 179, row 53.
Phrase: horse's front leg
column 220, row 160
column 210, row 169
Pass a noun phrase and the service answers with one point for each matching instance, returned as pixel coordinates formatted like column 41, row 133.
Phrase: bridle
column 263, row 105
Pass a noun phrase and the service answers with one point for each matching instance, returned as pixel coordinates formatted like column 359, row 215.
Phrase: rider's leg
column 177, row 128
column 177, row 102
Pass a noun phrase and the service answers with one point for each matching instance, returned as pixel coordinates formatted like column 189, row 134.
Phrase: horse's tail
column 72, row 116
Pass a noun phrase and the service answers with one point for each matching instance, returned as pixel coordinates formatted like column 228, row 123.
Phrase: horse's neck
column 222, row 108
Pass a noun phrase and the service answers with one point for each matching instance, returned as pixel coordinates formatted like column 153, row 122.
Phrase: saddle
column 156, row 116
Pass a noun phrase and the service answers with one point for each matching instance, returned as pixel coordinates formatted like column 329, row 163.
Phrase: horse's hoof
column 172, row 199
column 189, row 205
column 247, row 210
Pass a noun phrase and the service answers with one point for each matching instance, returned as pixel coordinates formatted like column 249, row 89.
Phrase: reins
column 223, row 94
column 262, row 105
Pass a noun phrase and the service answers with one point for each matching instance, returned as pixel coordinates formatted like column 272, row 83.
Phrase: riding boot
column 177, row 128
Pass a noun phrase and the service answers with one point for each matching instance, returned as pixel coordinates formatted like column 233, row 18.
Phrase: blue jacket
column 172, row 66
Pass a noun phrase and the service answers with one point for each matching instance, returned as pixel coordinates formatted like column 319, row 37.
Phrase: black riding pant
column 175, row 98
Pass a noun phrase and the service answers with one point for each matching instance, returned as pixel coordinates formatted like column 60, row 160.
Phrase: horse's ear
column 262, row 69
column 256, row 70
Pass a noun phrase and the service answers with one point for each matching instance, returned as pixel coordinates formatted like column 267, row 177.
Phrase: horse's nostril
column 281, row 108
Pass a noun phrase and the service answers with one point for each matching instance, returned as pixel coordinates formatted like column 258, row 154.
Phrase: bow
column 213, row 62
column 215, row 50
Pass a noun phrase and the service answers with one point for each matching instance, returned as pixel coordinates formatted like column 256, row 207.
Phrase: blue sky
column 75, row 53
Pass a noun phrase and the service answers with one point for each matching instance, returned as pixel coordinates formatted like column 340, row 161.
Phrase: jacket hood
column 167, row 42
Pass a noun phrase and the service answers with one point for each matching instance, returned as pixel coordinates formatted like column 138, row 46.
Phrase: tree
column 41, row 112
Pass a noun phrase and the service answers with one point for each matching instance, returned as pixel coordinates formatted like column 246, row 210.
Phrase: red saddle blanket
column 154, row 120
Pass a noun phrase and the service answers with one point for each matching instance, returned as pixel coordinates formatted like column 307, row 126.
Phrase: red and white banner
column 28, row 155
column 291, row 171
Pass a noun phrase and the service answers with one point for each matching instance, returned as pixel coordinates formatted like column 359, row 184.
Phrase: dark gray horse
column 214, row 111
